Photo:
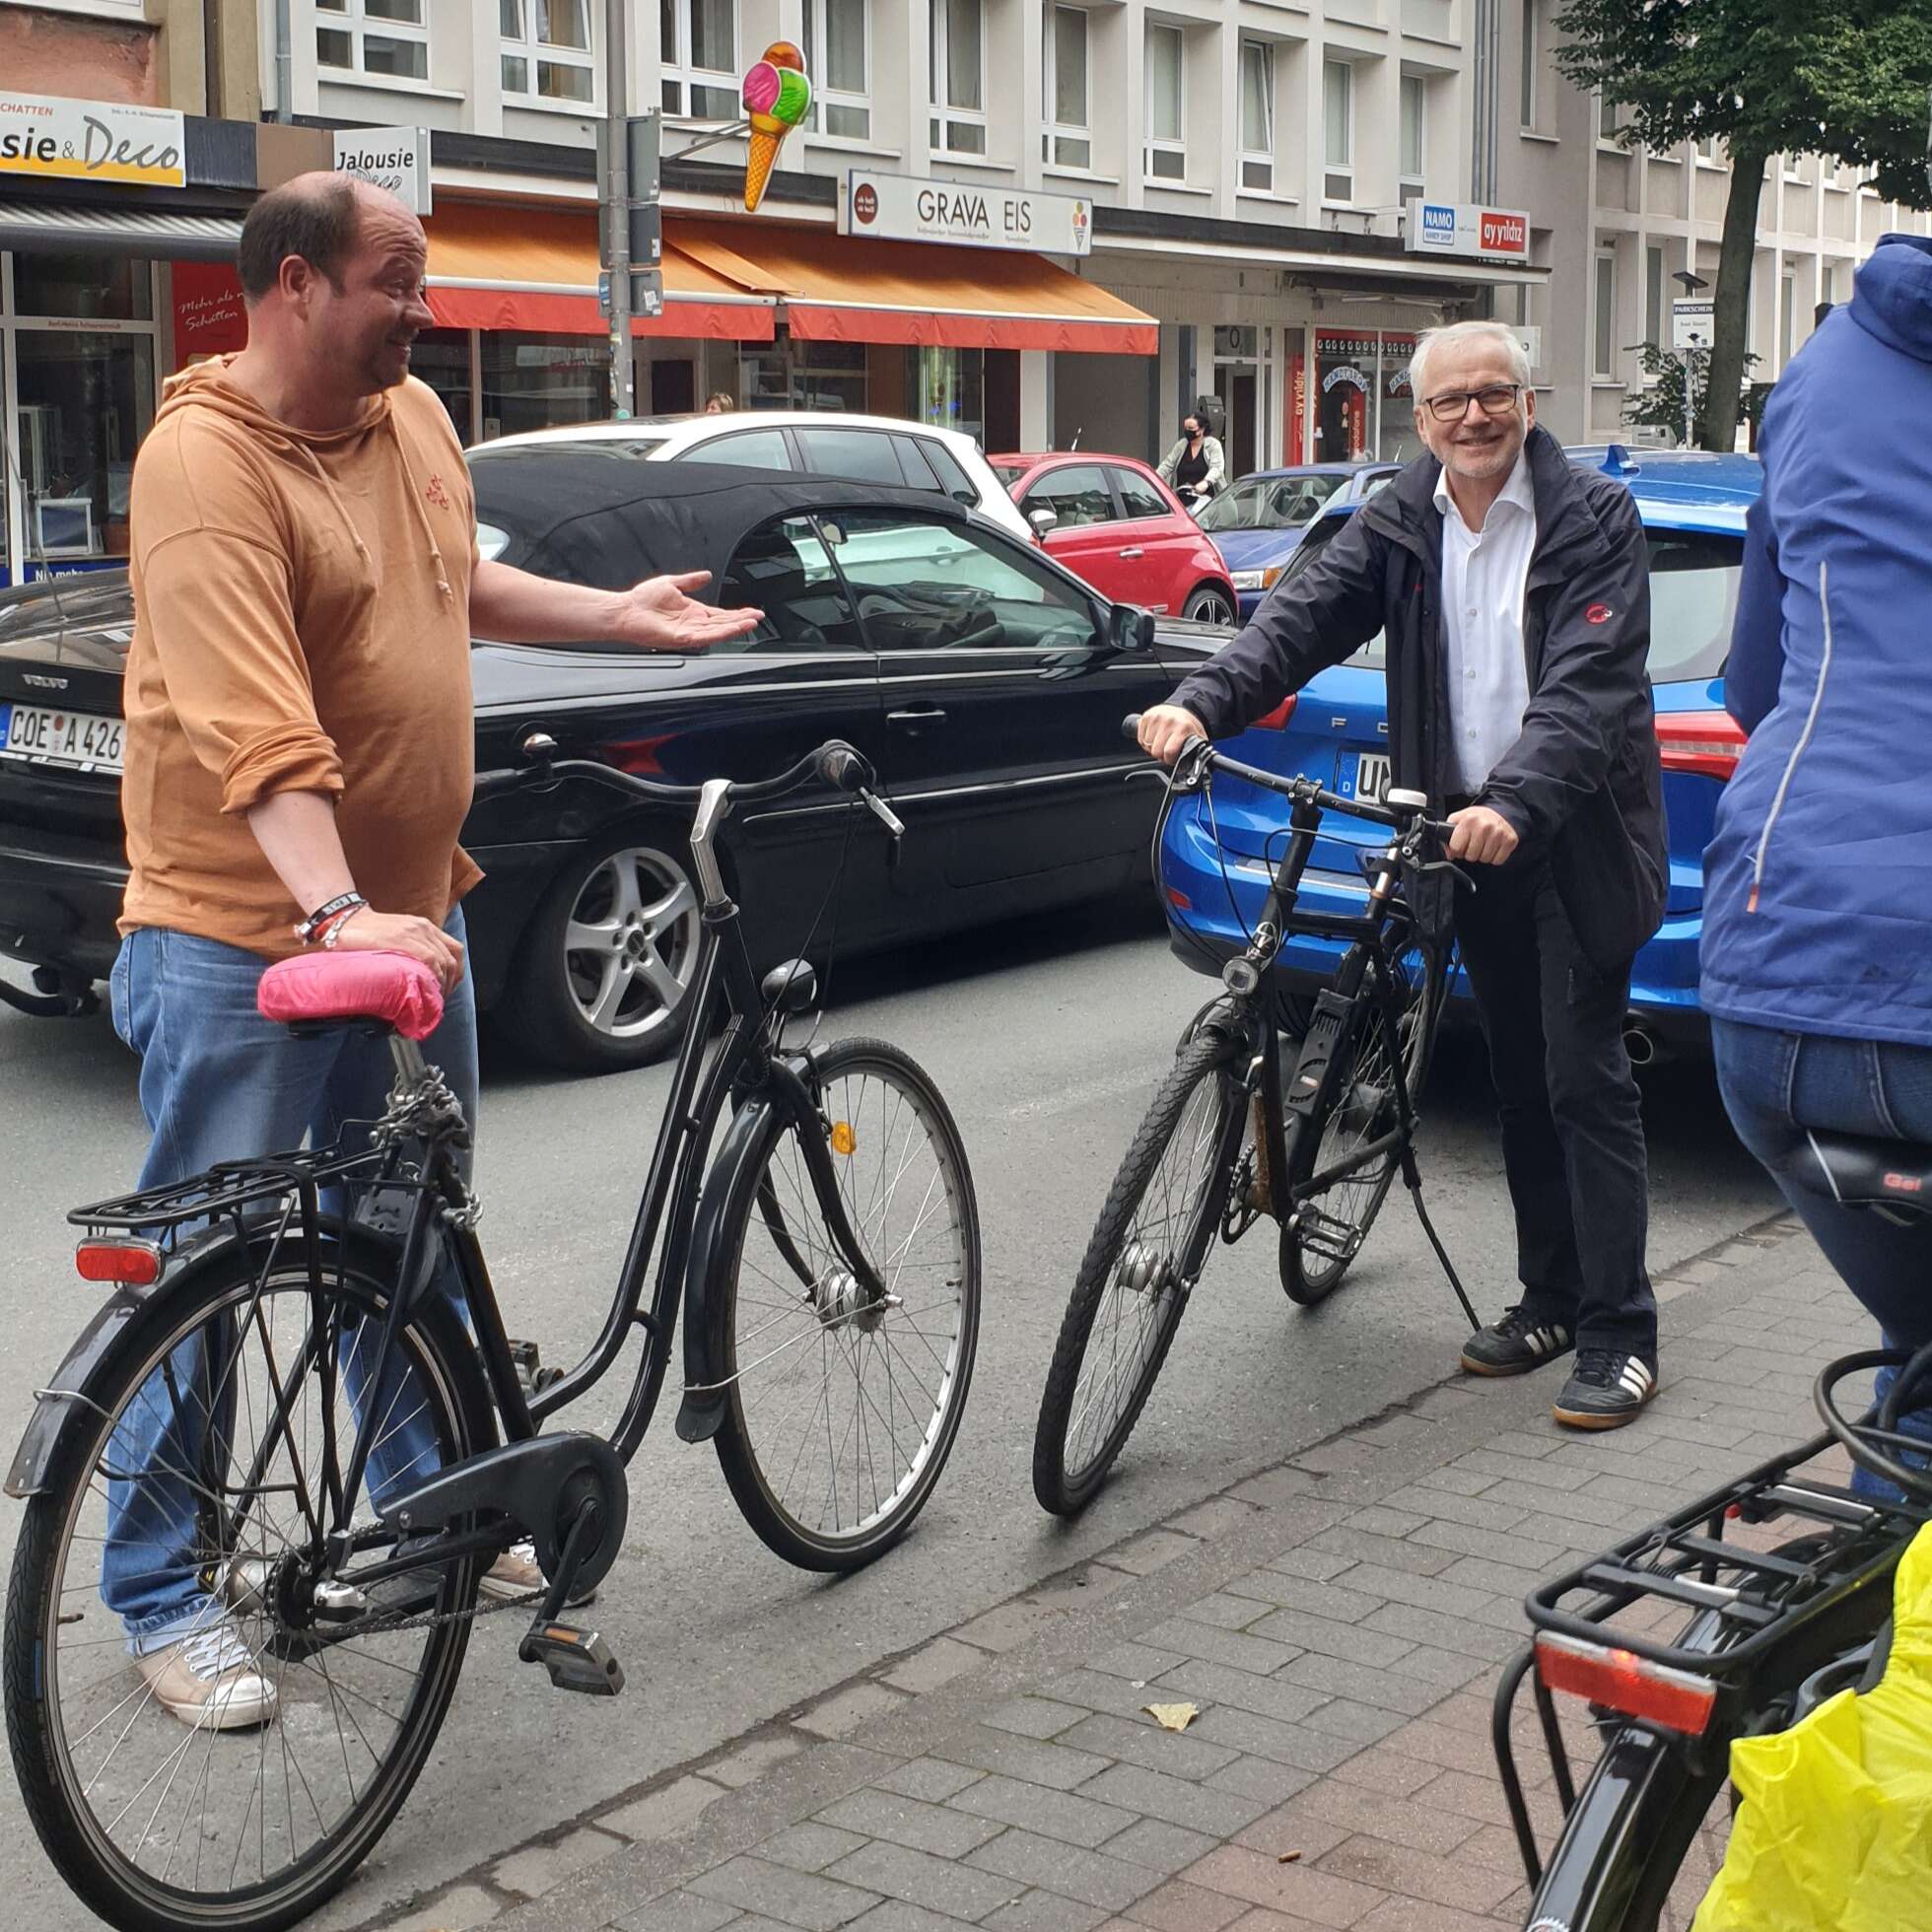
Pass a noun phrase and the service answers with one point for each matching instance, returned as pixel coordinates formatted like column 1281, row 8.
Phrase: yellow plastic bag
column 1834, row 1834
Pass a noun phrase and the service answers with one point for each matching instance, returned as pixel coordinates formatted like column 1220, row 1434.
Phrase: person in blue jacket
column 1818, row 883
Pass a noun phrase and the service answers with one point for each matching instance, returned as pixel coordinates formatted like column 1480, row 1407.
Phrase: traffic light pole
column 614, row 186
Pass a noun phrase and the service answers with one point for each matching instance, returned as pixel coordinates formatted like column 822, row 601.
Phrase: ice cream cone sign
column 777, row 98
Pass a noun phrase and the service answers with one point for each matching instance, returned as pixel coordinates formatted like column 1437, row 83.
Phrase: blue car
column 1260, row 521
column 1692, row 505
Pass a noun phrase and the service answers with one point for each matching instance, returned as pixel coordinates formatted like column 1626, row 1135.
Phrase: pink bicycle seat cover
column 389, row 986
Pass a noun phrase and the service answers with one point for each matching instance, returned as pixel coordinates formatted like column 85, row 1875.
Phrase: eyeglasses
column 1498, row 400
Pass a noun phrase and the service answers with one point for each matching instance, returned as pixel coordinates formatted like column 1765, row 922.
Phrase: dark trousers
column 1572, row 1124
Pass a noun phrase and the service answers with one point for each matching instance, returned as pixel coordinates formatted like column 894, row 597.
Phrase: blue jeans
column 1777, row 1084
column 219, row 1083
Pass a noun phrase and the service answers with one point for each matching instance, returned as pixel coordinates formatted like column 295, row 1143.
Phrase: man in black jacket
column 1514, row 592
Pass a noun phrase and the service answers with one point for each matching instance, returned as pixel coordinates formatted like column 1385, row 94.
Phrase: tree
column 1843, row 78
column 1659, row 404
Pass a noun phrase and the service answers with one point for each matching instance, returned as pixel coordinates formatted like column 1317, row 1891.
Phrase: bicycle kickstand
column 1411, row 1175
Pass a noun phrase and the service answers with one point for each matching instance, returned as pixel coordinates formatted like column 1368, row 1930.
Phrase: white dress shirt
column 1483, row 576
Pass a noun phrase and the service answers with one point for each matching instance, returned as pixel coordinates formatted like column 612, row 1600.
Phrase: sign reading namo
column 1461, row 227
column 899, row 208
column 91, row 141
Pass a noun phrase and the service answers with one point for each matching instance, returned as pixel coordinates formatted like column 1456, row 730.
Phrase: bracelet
column 312, row 927
column 332, row 931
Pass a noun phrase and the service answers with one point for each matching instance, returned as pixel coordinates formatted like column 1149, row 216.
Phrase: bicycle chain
column 429, row 1619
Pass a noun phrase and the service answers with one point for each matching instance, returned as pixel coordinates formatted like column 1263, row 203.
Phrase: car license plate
column 1372, row 775
column 62, row 737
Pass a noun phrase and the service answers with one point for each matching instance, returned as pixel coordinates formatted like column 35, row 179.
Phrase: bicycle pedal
column 577, row 1660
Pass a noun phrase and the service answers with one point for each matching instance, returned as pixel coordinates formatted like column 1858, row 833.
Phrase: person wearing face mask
column 1194, row 468
column 1513, row 589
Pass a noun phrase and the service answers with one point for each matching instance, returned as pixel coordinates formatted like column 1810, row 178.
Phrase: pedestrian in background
column 1195, row 469
column 719, row 403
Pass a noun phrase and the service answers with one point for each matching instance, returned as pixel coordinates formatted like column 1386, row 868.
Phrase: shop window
column 952, row 393
column 548, row 54
column 1166, row 157
column 805, row 376
column 440, row 358
column 1364, row 407
column 1067, row 140
column 1077, row 494
column 839, row 58
column 379, row 39
column 85, row 401
column 84, row 288
column 956, row 72
column 537, row 381
column 1337, row 131
column 1258, row 116
column 785, row 570
column 700, row 55
column 1414, row 111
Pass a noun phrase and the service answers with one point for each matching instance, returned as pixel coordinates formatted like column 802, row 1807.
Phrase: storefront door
column 1237, row 381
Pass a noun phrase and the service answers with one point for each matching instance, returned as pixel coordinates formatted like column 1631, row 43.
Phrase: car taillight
column 133, row 1264
column 1706, row 741
column 637, row 756
column 1278, row 718
column 1621, row 1680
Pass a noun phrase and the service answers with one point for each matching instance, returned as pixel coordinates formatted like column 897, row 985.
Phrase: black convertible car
column 984, row 683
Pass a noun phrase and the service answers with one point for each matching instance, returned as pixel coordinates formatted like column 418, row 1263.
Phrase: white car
column 869, row 448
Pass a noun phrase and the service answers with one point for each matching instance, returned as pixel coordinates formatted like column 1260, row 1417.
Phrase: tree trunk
column 1717, row 428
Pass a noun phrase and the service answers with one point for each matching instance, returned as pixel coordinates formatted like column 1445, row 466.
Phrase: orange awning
column 509, row 266
column 841, row 288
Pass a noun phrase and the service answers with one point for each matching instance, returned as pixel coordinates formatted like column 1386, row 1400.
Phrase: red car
column 1113, row 521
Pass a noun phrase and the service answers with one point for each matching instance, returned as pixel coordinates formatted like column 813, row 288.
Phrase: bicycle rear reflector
column 133, row 1264
column 1625, row 1682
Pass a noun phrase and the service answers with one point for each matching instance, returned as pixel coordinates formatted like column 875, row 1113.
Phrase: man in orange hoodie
column 300, row 759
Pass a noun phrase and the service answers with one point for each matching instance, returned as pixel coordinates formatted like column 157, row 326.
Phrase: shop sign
column 898, row 208
column 1692, row 323
column 47, row 139
column 1462, row 227
column 393, row 157
column 1347, row 373
column 210, row 317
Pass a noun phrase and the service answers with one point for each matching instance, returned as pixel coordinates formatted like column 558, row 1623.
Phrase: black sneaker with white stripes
column 1605, row 1391
column 1515, row 1344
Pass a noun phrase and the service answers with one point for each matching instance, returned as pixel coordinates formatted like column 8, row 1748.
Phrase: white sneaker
column 515, row 1574
column 209, row 1681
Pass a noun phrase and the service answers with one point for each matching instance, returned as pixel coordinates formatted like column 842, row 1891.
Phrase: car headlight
column 1257, row 579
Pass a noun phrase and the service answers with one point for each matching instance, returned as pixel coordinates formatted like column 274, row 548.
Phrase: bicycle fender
column 701, row 1415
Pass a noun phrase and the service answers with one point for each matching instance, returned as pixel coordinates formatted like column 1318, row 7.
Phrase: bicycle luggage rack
column 237, row 1184
column 1765, row 1599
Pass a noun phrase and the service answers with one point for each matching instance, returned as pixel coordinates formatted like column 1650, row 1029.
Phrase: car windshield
column 1693, row 599
column 1270, row 502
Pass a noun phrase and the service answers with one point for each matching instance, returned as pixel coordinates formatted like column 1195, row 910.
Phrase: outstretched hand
column 661, row 614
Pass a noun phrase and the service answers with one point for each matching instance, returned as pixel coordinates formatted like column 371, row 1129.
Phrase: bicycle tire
column 68, row 1810
column 1065, row 1485
column 918, row 1350
column 1318, row 1248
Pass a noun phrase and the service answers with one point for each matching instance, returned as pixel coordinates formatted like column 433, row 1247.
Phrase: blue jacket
column 1818, row 882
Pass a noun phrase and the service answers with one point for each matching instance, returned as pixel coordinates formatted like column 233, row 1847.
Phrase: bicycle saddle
column 1859, row 1172
column 390, row 988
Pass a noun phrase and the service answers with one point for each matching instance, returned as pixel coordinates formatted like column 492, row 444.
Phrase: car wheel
column 1210, row 603
column 603, row 978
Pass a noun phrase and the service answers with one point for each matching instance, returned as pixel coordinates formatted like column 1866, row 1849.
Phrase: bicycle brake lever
column 884, row 813
column 1448, row 865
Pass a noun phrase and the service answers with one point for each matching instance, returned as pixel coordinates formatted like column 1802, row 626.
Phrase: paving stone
column 1266, row 1778
column 1386, row 1551
column 1158, row 1845
column 895, row 1915
column 1335, row 1600
column 1342, row 1717
column 811, row 1900
column 1425, row 1592
column 1379, row 1520
column 1297, row 1745
column 1224, row 1611
column 1322, row 1898
column 662, row 1814
column 536, row 1869
column 1009, row 1626
column 932, row 1665
column 1180, row 1753
column 1092, row 1877
column 1054, row 1813
column 677, row 1911
column 1443, row 1632
column 1304, row 1631
column 1397, row 1432
column 1260, row 1920
column 845, row 1711
column 1175, row 1799
column 900, row 1872
column 1183, row 1907
column 944, row 1831
column 1504, row 1545
column 754, row 1759
column 1218, row 1516
column 1345, row 1455
column 1431, row 1742
column 1499, row 1579
column 450, row 1911
column 1134, row 1660
column 1209, row 1685
column 1453, row 1481
column 1277, row 1485
column 1034, row 1717
column 929, row 1779
column 1383, row 1690
column 1051, row 1765
column 1093, row 1692
column 1418, row 1874
column 1446, row 1400
column 1291, row 1828
column 1413, row 1915
column 1357, row 1811
column 1152, row 1552
column 811, row 1847
column 1204, row 1642
column 1389, row 1767
column 1518, row 1469
column 1044, row 1911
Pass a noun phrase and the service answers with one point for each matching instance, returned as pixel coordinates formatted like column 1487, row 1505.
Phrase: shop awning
column 839, row 288
column 498, row 266
column 78, row 230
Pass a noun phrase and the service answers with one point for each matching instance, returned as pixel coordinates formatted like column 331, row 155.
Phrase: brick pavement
column 1340, row 1620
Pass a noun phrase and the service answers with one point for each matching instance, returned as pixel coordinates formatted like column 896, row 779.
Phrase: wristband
column 313, row 926
column 333, row 929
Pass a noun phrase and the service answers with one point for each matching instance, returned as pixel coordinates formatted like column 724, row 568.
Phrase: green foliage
column 1660, row 405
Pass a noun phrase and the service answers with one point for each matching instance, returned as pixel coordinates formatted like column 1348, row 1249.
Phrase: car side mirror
column 1043, row 521
column 1129, row 628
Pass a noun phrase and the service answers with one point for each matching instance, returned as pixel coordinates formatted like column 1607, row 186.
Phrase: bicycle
column 1227, row 1141
column 1775, row 1631
column 826, row 1253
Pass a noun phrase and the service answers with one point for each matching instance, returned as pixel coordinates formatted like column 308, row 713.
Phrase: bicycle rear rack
column 1758, row 1606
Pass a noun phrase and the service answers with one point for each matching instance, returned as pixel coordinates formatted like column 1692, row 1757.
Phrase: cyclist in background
column 1818, row 883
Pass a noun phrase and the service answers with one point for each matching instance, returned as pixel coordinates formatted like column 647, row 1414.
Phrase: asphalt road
column 1047, row 1041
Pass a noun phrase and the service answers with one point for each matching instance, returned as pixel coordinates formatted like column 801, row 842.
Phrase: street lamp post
column 614, row 186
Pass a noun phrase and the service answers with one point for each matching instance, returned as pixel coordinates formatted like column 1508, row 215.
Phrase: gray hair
column 1500, row 333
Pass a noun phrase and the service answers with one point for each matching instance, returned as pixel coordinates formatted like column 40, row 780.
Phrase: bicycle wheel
column 841, row 1412
column 1358, row 1106
column 1129, row 1294
column 196, row 1458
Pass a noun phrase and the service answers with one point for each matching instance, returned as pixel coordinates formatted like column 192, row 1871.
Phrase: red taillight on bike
column 1278, row 718
column 1706, row 742
column 133, row 1264
column 1623, row 1681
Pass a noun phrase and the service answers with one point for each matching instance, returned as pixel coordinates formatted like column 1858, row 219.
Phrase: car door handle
column 918, row 716
column 1133, row 550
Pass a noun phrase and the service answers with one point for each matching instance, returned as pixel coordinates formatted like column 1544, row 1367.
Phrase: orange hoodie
column 301, row 624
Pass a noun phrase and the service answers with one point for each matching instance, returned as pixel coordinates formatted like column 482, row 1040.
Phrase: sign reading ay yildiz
column 47, row 139
column 1461, row 227
column 901, row 209
column 393, row 157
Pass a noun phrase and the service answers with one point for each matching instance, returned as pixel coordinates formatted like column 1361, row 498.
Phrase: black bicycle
column 1778, row 1622
column 243, row 1398
column 1228, row 1141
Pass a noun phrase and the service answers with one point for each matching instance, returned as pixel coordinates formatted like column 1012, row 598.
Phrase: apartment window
column 1604, row 363
column 1529, row 63
column 1787, row 317
column 1609, row 117
column 1707, row 150
column 1068, row 140
column 382, row 39
column 1654, row 312
column 1337, row 131
column 1414, row 136
column 839, row 58
column 957, row 73
column 700, row 39
column 1167, row 152
column 1258, row 115
column 547, row 49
